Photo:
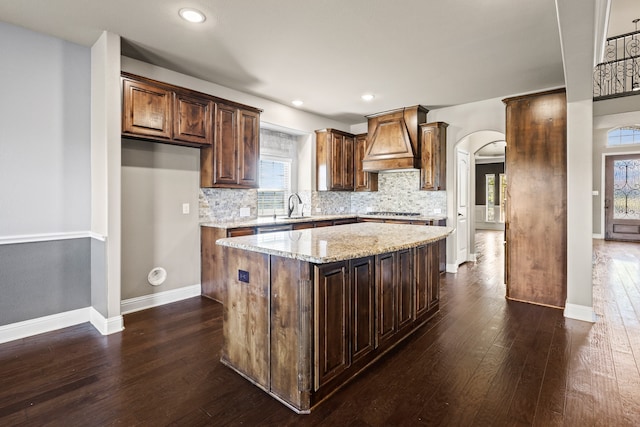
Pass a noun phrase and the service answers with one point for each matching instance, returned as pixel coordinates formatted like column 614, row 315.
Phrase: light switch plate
column 245, row 211
column 185, row 208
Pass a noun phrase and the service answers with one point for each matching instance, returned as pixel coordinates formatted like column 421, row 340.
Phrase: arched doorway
column 463, row 196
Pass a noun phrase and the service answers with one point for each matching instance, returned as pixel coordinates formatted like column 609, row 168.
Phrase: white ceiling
column 329, row 52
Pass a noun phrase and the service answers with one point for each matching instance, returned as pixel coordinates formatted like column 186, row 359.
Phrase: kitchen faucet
column 290, row 204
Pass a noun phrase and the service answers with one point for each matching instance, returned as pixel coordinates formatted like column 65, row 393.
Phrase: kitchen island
column 307, row 310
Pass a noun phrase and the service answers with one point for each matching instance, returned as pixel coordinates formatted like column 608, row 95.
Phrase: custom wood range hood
column 393, row 140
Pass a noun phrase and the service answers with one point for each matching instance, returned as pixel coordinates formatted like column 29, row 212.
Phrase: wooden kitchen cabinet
column 160, row 112
column 427, row 293
column 395, row 293
column 334, row 160
column 233, row 160
column 192, row 119
column 332, row 311
column 363, row 181
column 146, row 110
column 433, row 171
column 301, row 330
column 344, row 298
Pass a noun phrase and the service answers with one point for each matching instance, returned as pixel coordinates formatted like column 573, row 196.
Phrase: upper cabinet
column 227, row 132
column 154, row 111
column 233, row 160
column 433, row 167
column 192, row 119
column 334, row 160
column 364, row 181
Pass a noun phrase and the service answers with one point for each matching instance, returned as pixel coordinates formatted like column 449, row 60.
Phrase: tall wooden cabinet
column 536, row 205
column 232, row 161
column 334, row 160
column 433, row 156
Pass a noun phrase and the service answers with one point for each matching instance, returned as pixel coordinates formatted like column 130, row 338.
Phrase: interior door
column 462, row 222
column 622, row 198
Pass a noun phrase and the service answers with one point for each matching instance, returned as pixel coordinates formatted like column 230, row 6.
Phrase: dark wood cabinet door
column 363, row 181
column 404, row 287
column 192, row 119
column 433, row 172
column 248, row 148
column 146, row 110
column 362, row 307
column 337, row 162
column 348, row 165
column 386, row 297
column 225, row 155
column 332, row 313
column 427, row 277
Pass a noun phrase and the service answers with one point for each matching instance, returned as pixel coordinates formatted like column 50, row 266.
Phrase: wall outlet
column 437, row 211
column 369, row 209
column 318, row 210
column 341, row 208
column 245, row 212
column 185, row 208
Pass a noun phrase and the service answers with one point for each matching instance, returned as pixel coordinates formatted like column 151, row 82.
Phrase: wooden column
column 536, row 208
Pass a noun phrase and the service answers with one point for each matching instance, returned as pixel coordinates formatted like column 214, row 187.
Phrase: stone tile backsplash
column 397, row 192
column 223, row 204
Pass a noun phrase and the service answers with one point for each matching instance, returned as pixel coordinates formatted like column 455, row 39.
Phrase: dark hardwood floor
column 481, row 361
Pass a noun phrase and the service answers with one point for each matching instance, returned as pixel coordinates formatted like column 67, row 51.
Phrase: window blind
column 275, row 186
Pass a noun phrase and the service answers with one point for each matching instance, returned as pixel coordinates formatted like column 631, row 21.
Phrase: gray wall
column 156, row 180
column 43, row 278
column 44, row 174
column 44, row 134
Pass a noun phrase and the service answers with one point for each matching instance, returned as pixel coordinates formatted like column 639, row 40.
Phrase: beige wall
column 157, row 179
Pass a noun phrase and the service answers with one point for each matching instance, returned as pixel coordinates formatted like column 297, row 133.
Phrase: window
column 624, row 135
column 503, row 195
column 275, row 185
column 490, row 185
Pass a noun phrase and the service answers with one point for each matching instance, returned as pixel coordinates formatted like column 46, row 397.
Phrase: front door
column 622, row 197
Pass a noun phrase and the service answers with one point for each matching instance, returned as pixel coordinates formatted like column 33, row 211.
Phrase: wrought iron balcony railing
column 619, row 75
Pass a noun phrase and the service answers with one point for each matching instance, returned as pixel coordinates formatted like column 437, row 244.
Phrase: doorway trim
column 471, row 143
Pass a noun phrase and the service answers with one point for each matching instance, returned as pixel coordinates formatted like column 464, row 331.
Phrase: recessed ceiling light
column 367, row 97
column 297, row 103
column 192, row 15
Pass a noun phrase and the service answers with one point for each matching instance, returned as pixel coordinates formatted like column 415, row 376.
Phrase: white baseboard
column 580, row 312
column 452, row 268
column 103, row 325
column 598, row 236
column 27, row 328
column 472, row 258
column 147, row 301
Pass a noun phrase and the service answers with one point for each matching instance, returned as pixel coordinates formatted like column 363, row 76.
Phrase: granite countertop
column 340, row 242
column 268, row 220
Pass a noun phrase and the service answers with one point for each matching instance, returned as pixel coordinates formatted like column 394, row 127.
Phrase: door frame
column 603, row 183
column 603, row 195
